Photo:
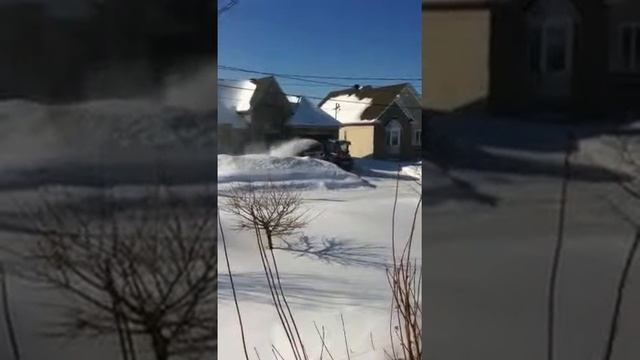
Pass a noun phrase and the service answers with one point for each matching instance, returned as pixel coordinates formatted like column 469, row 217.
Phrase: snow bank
column 615, row 153
column 389, row 169
column 295, row 172
column 413, row 170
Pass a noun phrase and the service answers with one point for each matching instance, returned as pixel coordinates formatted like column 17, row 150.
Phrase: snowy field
column 334, row 267
column 489, row 226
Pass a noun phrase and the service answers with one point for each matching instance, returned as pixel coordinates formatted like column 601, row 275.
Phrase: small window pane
column 636, row 48
column 556, row 49
column 626, row 47
column 535, row 48
column 393, row 137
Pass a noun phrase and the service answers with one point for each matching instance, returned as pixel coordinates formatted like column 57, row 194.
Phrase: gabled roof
column 359, row 105
column 307, row 114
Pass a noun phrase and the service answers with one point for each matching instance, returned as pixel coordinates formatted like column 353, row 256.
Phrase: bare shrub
column 404, row 277
column 271, row 209
column 145, row 271
column 275, row 212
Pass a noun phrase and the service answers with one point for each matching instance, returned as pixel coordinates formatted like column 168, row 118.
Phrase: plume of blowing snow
column 291, row 147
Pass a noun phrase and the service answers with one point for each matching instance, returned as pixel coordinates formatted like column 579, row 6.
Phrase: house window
column 417, row 137
column 630, row 46
column 393, row 137
column 550, row 47
column 556, row 48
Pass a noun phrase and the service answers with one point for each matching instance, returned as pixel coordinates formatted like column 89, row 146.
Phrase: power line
column 308, row 97
column 285, row 76
column 232, row 68
column 415, row 83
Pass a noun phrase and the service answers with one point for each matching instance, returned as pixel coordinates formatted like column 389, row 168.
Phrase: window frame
column 543, row 28
column 632, row 63
column 390, row 133
column 417, row 137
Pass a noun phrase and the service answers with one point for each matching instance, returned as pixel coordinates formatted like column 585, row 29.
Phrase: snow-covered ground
column 333, row 267
column 286, row 171
column 128, row 144
column 489, row 227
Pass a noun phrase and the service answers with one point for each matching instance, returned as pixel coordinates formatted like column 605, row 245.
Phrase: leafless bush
column 275, row 212
column 271, row 209
column 145, row 273
column 404, row 277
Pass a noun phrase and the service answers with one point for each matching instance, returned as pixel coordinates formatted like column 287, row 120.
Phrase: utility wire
column 414, row 83
column 308, row 97
column 232, row 68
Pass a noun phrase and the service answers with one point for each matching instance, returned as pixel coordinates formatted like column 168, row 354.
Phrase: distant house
column 523, row 55
column 308, row 121
column 251, row 111
column 380, row 122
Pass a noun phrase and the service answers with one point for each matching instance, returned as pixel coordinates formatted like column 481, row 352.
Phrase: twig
column 373, row 347
column 346, row 343
column 324, row 345
column 277, row 352
column 558, row 248
column 622, row 283
column 233, row 288
column 7, row 314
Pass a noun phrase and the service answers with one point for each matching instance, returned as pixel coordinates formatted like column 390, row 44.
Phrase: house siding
column 514, row 87
column 455, row 58
column 509, row 83
column 361, row 138
column 269, row 113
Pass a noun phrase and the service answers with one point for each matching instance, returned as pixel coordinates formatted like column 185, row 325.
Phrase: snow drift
column 298, row 172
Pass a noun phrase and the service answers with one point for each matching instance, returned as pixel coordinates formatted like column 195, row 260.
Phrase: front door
column 393, row 137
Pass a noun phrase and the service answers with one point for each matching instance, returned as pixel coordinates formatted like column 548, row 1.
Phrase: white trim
column 393, row 130
column 416, row 137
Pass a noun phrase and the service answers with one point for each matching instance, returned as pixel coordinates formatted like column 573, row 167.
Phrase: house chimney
column 356, row 86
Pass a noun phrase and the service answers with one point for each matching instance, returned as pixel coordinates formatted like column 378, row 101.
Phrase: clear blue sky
column 354, row 38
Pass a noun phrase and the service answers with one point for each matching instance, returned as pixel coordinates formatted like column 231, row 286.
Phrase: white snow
column 292, row 147
column 309, row 115
column 487, row 266
column 350, row 109
column 234, row 96
column 389, row 169
column 32, row 132
column 413, row 170
column 340, row 270
column 284, row 171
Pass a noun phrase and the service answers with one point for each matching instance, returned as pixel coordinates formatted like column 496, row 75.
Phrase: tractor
column 334, row 151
